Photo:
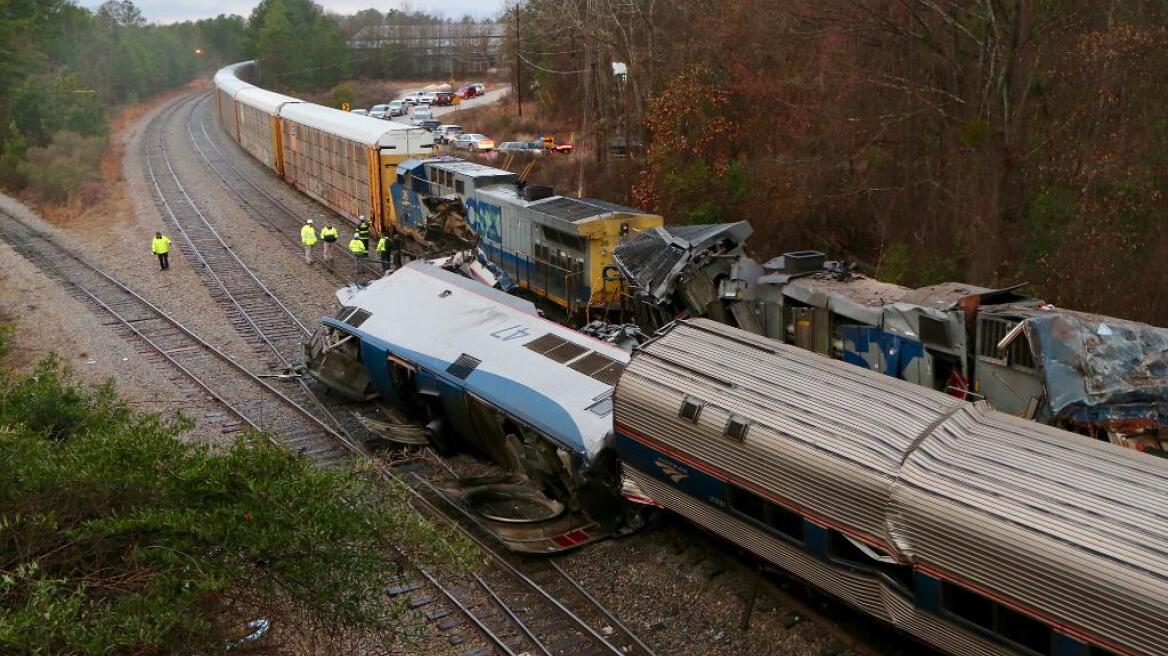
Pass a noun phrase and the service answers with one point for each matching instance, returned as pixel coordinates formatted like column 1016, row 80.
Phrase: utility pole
column 586, row 71
column 518, row 70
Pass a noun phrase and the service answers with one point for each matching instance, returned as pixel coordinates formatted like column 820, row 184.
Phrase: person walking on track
column 328, row 235
column 363, row 231
column 307, row 239
column 383, row 252
column 161, row 248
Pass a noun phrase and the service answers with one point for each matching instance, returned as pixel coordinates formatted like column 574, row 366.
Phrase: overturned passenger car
column 484, row 372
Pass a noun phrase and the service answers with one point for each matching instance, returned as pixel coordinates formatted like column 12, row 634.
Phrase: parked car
column 479, row 88
column 550, row 143
column 523, row 147
column 412, row 98
column 430, row 124
column 362, row 112
column 397, row 108
column 466, row 91
column 443, row 98
column 419, row 114
column 478, row 142
column 447, row 132
column 379, row 111
column 427, row 98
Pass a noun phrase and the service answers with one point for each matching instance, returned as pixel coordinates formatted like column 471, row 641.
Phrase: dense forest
column 991, row 141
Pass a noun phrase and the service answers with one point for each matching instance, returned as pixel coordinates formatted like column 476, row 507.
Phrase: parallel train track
column 252, row 401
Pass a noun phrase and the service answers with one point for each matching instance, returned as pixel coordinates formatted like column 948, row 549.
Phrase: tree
column 119, row 13
column 116, row 537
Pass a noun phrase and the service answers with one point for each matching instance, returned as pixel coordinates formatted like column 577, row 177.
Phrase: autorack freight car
column 975, row 531
column 343, row 160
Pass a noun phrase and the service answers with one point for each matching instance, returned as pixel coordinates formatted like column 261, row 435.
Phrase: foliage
column 64, row 166
column 984, row 142
column 62, row 67
column 298, row 46
column 341, row 94
column 118, row 538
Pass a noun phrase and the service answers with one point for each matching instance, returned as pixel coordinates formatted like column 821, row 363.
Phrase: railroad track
column 202, row 369
column 523, row 605
column 269, row 210
column 254, row 310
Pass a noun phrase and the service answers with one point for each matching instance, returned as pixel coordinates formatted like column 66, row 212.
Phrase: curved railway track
column 253, row 402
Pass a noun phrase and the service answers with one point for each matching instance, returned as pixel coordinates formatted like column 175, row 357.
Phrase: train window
column 357, row 318
column 459, row 187
column 601, row 408
column 691, row 408
column 736, row 428
column 462, row 367
column 1022, row 630
column 967, row 605
column 787, row 522
column 747, row 503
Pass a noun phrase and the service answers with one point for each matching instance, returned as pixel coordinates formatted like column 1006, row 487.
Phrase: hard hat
column 309, row 222
column 361, row 216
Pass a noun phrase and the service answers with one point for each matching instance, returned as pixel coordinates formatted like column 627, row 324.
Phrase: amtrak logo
column 673, row 471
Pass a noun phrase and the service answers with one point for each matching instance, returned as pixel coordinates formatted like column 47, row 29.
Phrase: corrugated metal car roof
column 266, row 101
column 1063, row 525
column 354, row 127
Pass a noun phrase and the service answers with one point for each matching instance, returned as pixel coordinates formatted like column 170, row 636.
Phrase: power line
column 548, row 70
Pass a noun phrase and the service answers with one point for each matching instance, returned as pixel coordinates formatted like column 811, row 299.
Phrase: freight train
column 557, row 247
column 975, row 531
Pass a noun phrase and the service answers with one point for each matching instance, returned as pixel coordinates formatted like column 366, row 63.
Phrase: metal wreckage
column 1094, row 375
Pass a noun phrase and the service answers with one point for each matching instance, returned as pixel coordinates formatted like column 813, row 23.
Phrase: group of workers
column 388, row 248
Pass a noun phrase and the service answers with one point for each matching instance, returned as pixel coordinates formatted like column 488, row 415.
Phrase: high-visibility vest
column 307, row 235
column 381, row 245
column 357, row 247
column 328, row 234
column 363, row 230
column 160, row 245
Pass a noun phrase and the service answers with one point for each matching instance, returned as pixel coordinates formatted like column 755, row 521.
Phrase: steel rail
column 514, row 571
column 30, row 251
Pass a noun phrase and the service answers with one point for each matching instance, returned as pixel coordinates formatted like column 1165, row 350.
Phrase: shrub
column 117, row 538
column 58, row 171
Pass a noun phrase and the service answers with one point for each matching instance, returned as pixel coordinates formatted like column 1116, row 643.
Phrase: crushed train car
column 485, row 373
column 1098, row 376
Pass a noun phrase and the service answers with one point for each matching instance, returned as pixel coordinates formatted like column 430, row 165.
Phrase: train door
column 517, row 241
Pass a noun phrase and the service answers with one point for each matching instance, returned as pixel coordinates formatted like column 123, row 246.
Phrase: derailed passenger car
column 485, row 372
column 972, row 530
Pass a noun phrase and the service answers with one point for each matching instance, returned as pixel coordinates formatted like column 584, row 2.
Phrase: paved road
column 494, row 95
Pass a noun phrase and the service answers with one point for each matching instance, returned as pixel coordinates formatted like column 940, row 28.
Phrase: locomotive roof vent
column 533, row 193
column 797, row 262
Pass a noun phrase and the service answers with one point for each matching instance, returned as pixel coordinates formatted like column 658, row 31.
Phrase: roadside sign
column 346, row 106
column 457, row 100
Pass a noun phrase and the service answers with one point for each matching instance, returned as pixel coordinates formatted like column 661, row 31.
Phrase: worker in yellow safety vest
column 360, row 253
column 161, row 248
column 307, row 239
column 363, row 231
column 328, row 235
column 383, row 252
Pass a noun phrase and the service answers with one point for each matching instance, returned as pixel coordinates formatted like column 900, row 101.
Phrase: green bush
column 341, row 94
column 59, row 170
column 118, row 538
